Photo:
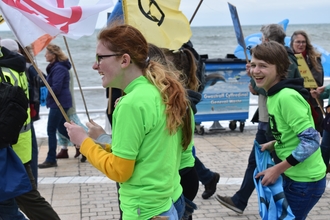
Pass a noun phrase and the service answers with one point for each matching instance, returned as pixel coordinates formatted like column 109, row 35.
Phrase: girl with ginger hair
column 147, row 123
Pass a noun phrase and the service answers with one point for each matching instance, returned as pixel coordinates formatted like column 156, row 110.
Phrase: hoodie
column 12, row 60
column 296, row 84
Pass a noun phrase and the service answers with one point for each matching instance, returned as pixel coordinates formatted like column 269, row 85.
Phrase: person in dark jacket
column 58, row 78
column 300, row 44
column 239, row 201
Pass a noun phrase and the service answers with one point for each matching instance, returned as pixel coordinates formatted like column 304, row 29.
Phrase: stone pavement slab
column 77, row 190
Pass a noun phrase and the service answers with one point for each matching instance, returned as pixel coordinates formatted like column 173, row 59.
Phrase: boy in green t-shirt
column 296, row 141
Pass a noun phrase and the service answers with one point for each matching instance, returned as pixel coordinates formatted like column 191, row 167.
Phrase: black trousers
column 33, row 205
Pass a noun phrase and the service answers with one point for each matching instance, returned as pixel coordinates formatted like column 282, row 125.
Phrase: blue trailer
column 226, row 95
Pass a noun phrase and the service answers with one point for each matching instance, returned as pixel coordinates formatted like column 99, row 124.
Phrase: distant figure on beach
column 58, row 78
column 147, row 127
column 301, row 44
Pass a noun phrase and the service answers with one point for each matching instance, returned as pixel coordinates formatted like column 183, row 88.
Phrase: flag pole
column 75, row 72
column 46, row 84
column 192, row 18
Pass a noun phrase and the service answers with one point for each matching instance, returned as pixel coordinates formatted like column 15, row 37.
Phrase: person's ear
column 126, row 60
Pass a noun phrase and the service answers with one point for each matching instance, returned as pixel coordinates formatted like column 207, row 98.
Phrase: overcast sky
column 251, row 12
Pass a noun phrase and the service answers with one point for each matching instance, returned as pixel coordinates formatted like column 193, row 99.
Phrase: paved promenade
column 77, row 190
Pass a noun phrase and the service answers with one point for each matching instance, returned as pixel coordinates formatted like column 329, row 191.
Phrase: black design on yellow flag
column 149, row 14
column 160, row 21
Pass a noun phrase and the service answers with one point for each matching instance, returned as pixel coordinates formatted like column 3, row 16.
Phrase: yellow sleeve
column 116, row 168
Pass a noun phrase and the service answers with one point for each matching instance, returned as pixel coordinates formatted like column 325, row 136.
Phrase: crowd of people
column 156, row 90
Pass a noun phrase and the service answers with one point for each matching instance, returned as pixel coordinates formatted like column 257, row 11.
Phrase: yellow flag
column 309, row 81
column 2, row 20
column 160, row 21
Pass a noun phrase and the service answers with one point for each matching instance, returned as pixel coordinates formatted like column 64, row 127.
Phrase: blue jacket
column 271, row 198
column 58, row 78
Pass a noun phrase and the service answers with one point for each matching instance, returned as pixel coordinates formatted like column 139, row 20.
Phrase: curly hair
column 311, row 52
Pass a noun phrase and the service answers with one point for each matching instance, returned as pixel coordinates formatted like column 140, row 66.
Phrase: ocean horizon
column 213, row 41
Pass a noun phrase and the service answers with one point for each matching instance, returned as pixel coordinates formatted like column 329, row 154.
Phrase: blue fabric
column 271, row 198
column 116, row 14
column 303, row 196
column 43, row 95
column 180, row 206
column 171, row 213
column 9, row 210
column 14, row 180
column 241, row 197
column 204, row 174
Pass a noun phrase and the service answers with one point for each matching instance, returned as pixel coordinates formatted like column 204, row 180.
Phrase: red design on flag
column 37, row 22
column 52, row 17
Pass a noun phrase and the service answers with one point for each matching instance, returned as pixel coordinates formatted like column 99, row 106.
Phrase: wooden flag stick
column 46, row 84
column 75, row 72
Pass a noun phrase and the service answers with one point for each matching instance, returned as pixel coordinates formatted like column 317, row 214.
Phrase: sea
column 213, row 41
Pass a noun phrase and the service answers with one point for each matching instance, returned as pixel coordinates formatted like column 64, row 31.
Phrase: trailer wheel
column 241, row 126
column 232, row 125
column 201, row 131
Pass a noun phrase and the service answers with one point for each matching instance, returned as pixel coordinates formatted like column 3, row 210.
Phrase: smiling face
column 299, row 44
column 108, row 67
column 264, row 74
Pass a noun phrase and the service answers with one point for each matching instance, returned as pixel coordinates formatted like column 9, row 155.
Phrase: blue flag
column 237, row 25
column 271, row 198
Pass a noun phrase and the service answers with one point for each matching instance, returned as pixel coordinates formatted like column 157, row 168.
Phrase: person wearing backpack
column 13, row 66
column 35, row 82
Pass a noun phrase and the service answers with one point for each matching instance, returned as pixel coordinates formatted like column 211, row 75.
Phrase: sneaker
column 227, row 202
column 83, row 159
column 211, row 187
column 47, row 165
column 63, row 154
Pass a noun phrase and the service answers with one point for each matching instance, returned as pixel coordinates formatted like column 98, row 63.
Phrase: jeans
column 9, row 210
column 33, row 204
column 180, row 206
column 55, row 122
column 205, row 175
column 325, row 147
column 34, row 160
column 303, row 196
column 171, row 213
column 241, row 197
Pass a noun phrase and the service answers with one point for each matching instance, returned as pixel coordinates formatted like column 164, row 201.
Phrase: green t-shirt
column 289, row 115
column 139, row 133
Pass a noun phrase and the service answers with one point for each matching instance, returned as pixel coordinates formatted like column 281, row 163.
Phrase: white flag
column 37, row 22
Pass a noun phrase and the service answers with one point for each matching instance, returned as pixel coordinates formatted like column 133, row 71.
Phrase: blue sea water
column 216, row 42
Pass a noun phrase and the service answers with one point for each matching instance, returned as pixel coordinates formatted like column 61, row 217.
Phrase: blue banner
column 237, row 25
